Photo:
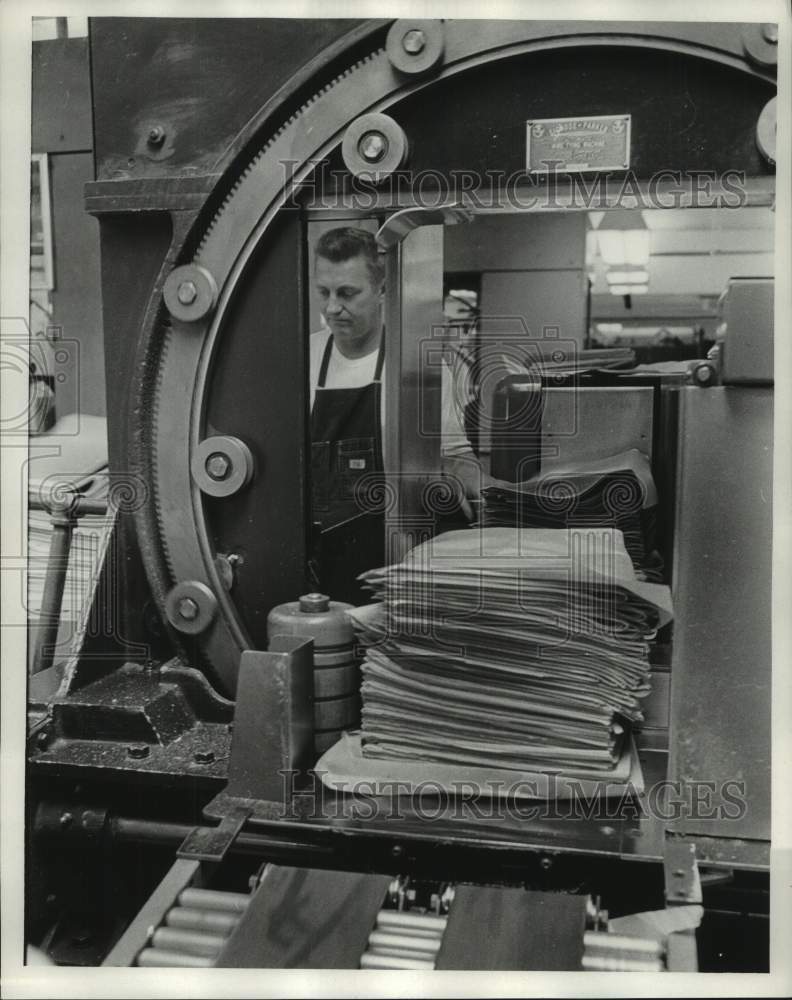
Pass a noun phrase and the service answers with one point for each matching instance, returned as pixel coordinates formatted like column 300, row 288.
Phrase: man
column 347, row 409
column 346, row 362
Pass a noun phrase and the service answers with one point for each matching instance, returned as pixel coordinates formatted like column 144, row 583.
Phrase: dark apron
column 346, row 465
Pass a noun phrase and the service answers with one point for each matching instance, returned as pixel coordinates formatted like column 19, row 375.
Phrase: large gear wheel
column 179, row 353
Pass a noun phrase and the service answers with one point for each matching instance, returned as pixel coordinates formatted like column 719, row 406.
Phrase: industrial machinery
column 170, row 807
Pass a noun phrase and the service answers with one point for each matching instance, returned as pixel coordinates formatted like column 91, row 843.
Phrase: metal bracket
column 401, row 224
column 212, row 843
column 682, row 880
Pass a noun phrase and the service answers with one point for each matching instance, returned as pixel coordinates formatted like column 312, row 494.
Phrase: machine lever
column 212, row 843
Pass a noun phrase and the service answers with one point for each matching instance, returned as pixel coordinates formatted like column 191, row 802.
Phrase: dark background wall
column 62, row 128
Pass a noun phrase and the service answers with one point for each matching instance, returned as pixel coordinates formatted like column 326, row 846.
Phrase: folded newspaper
column 517, row 650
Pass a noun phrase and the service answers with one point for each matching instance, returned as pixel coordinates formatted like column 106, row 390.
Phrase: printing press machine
column 161, row 829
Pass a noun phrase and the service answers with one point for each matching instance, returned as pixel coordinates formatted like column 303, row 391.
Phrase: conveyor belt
column 313, row 918
column 196, row 930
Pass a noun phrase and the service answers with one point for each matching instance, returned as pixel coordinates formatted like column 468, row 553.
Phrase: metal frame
column 174, row 409
column 412, row 459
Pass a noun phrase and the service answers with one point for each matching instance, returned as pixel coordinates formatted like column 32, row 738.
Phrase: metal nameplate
column 572, row 145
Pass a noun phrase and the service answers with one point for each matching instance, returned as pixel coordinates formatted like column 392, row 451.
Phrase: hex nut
column 188, row 609
column 190, row 293
column 221, row 465
column 218, row 466
column 414, row 41
column 415, row 47
column 373, row 146
column 187, row 293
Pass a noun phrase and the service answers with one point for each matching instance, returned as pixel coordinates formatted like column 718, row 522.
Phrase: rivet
column 156, row 136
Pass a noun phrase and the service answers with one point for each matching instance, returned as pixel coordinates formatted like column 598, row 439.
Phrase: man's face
column 351, row 304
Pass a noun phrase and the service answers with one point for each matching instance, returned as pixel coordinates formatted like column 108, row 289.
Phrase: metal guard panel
column 721, row 669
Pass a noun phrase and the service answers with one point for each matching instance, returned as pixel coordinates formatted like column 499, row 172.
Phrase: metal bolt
column 156, row 136
column 203, row 756
column 414, row 41
column 218, row 466
column 373, row 146
column 187, row 293
column 188, row 609
column 42, row 740
column 138, row 751
column 679, row 873
column 66, row 819
column 397, row 851
column 703, row 374
column 545, row 864
column 770, row 33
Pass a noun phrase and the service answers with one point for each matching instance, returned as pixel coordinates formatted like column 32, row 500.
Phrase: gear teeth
column 166, row 325
column 167, row 333
column 245, row 172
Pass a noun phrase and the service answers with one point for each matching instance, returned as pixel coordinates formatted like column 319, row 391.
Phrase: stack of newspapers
column 617, row 491
column 509, row 648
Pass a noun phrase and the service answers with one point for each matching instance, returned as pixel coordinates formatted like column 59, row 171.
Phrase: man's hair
column 345, row 243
